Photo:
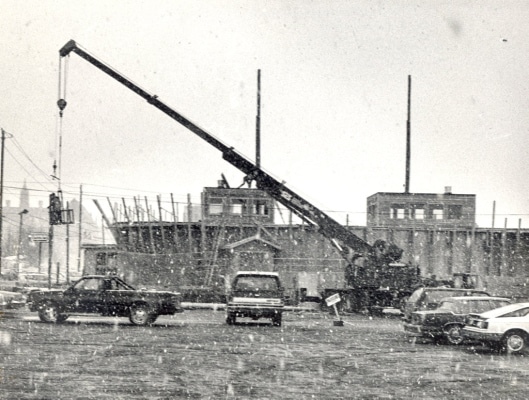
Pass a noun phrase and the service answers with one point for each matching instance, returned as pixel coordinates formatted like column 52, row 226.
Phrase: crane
column 369, row 266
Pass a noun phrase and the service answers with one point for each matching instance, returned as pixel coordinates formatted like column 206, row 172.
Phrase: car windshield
column 415, row 295
column 436, row 296
column 101, row 284
column 471, row 306
column 505, row 311
column 522, row 312
column 255, row 283
column 89, row 284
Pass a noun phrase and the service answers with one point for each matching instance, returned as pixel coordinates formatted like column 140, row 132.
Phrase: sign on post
column 331, row 301
column 39, row 236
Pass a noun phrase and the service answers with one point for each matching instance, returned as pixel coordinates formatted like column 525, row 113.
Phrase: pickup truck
column 255, row 295
column 106, row 295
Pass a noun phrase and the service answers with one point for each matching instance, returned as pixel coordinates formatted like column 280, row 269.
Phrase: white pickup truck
column 255, row 294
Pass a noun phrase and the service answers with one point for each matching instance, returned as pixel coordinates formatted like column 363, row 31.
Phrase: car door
column 85, row 296
column 114, row 297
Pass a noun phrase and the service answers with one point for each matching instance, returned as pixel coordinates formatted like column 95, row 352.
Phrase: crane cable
column 61, row 103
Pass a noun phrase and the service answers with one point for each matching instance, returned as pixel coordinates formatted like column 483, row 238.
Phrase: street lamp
column 21, row 213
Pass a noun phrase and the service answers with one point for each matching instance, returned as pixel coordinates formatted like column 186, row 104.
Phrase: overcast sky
column 334, row 81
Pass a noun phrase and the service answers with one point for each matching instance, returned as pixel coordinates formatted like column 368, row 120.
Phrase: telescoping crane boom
column 350, row 245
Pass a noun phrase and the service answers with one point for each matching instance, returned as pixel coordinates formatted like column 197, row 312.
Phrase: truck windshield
column 255, row 283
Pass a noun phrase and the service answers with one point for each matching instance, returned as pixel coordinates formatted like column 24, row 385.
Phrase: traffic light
column 55, row 209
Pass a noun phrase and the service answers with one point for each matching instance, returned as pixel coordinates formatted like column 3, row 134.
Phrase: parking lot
column 195, row 355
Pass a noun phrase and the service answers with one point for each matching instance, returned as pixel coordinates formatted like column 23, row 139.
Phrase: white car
column 506, row 327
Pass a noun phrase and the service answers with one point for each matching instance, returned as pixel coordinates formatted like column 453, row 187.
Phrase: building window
column 417, row 211
column 101, row 259
column 397, row 212
column 260, row 207
column 437, row 213
column 215, row 205
column 454, row 212
column 238, row 206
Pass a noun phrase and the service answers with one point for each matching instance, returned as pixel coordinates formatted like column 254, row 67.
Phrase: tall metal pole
column 67, row 249
column 408, row 139
column 1, row 197
column 258, row 123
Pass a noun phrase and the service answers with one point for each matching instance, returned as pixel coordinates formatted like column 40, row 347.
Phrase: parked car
column 107, row 295
column 28, row 282
column 11, row 300
column 428, row 298
column 255, row 295
column 506, row 327
column 447, row 320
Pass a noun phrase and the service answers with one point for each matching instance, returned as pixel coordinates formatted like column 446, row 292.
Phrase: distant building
column 237, row 205
column 235, row 230
column 421, row 210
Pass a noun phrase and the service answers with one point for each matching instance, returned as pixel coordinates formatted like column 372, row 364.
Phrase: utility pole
column 21, row 213
column 80, row 228
column 50, row 254
column 258, row 123
column 67, row 250
column 408, row 139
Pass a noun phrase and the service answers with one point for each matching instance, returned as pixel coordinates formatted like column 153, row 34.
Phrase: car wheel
column 514, row 342
column 453, row 334
column 50, row 313
column 62, row 318
column 230, row 319
column 140, row 315
column 276, row 320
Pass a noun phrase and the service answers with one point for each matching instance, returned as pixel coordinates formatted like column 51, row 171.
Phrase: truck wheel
column 276, row 320
column 230, row 319
column 50, row 313
column 453, row 334
column 140, row 315
column 514, row 342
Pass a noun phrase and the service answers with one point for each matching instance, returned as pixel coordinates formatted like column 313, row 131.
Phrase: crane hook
column 62, row 105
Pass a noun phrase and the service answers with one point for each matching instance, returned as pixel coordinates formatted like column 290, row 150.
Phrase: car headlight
column 482, row 325
column 417, row 319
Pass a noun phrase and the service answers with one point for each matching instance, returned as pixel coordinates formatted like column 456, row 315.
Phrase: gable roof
column 255, row 238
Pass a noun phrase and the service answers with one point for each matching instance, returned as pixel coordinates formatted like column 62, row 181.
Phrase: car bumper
column 170, row 309
column 421, row 330
column 481, row 335
column 12, row 305
column 254, row 310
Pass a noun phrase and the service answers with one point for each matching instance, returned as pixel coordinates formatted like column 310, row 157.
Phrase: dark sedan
column 447, row 321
